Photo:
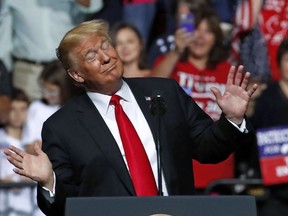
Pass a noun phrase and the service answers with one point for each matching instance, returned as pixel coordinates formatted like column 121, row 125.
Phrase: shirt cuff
column 46, row 191
column 242, row 128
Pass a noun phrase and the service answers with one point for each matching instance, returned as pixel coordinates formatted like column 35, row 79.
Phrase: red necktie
column 138, row 163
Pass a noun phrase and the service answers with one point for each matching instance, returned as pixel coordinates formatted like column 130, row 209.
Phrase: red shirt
column 197, row 84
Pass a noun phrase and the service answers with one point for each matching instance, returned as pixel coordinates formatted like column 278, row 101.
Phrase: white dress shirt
column 133, row 111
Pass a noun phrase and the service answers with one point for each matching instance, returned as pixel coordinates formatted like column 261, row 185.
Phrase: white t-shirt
column 15, row 202
column 38, row 113
column 5, row 166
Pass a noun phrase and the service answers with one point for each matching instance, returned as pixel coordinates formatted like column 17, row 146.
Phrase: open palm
column 234, row 101
column 36, row 167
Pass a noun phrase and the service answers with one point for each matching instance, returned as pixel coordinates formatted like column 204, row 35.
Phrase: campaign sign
column 273, row 151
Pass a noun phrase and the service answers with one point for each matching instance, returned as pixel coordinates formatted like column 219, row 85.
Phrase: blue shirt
column 32, row 29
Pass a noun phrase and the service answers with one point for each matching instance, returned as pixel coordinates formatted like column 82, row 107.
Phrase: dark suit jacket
column 86, row 158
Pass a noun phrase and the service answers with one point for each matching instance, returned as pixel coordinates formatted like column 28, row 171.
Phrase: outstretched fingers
column 245, row 81
column 15, row 156
column 230, row 78
column 15, row 162
column 251, row 91
column 37, row 147
column 239, row 75
column 16, row 150
column 238, row 80
column 20, row 171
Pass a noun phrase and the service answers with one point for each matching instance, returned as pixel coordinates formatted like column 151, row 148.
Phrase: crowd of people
column 54, row 63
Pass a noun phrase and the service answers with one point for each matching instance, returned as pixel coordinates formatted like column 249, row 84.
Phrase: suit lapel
column 144, row 100
column 101, row 135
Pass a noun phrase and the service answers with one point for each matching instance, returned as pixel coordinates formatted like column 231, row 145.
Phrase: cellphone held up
column 187, row 22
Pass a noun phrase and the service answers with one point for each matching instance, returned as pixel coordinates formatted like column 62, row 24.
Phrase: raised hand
column 36, row 167
column 234, row 101
column 182, row 40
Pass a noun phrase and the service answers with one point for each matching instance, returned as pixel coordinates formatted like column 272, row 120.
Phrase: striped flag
column 245, row 17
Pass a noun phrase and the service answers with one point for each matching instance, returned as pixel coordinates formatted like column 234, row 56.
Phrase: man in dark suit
column 82, row 140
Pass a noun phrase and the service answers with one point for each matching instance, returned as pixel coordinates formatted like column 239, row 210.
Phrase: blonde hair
column 74, row 37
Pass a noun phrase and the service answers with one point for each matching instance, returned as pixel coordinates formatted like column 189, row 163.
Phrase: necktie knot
column 115, row 100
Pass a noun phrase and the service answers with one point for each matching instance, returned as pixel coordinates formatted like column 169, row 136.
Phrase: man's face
column 99, row 67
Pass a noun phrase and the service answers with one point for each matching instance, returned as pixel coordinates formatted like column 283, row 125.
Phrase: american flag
column 246, row 14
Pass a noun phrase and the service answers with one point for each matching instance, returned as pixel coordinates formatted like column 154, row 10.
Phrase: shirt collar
column 102, row 101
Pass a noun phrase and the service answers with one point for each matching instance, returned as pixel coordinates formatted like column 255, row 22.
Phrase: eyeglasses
column 49, row 92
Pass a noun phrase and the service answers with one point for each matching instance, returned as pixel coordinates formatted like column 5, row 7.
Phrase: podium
column 165, row 206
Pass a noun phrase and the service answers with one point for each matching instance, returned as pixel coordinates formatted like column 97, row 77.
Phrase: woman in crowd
column 198, row 61
column 130, row 47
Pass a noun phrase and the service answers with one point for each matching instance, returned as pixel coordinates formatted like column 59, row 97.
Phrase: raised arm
column 167, row 65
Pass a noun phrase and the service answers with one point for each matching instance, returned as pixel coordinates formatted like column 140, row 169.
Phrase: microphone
column 157, row 105
column 158, row 108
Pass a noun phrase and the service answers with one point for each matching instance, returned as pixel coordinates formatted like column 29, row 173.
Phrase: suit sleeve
column 210, row 142
column 65, row 186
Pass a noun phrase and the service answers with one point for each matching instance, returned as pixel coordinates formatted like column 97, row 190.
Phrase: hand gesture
column 36, row 167
column 234, row 101
column 182, row 40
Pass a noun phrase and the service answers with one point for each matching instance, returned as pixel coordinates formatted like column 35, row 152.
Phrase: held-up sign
column 273, row 152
